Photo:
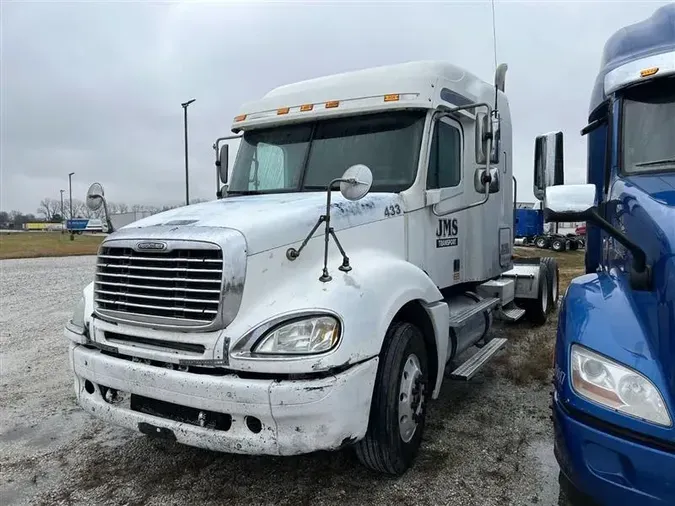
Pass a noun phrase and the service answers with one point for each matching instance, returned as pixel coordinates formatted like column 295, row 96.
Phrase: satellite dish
column 95, row 197
column 359, row 179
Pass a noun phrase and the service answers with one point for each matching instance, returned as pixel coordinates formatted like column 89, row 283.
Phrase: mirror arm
column 292, row 253
column 639, row 256
column 593, row 125
column 486, row 178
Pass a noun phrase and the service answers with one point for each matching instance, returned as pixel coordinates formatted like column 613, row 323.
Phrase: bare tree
column 48, row 208
column 123, row 208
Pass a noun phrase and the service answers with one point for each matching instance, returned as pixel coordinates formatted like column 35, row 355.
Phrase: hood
column 274, row 220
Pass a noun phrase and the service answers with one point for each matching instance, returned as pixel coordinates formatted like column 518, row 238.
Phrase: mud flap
column 158, row 432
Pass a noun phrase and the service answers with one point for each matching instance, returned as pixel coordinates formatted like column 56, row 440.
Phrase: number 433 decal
column 392, row 210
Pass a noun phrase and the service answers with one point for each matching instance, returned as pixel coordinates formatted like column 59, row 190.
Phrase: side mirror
column 548, row 163
column 356, row 182
column 572, row 202
column 222, row 162
column 479, row 180
column 481, row 138
column 95, row 199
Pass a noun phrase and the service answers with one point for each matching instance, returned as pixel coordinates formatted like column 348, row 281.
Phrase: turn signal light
column 241, row 117
column 392, row 98
column 283, row 110
column 306, row 107
column 332, row 104
column 649, row 72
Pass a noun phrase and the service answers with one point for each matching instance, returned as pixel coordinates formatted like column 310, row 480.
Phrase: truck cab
column 614, row 389
column 286, row 316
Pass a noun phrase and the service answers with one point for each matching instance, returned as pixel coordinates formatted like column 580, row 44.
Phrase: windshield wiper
column 666, row 161
column 245, row 192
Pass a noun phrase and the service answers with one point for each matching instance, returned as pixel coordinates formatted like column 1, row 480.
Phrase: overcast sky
column 95, row 88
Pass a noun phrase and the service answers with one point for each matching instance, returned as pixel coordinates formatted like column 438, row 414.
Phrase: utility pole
column 184, row 105
column 70, row 190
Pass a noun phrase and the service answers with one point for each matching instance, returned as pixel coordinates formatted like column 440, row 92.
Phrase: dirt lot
column 487, row 442
column 46, row 244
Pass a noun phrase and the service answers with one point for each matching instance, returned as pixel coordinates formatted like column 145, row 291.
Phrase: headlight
column 78, row 315
column 615, row 386
column 301, row 337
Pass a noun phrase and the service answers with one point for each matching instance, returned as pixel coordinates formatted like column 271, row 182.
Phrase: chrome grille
column 182, row 285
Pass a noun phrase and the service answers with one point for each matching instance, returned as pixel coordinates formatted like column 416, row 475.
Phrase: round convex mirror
column 95, row 197
column 361, row 180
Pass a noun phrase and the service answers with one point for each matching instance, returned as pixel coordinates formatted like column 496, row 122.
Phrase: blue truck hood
column 648, row 217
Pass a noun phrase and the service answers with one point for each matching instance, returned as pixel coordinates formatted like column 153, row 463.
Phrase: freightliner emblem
column 151, row 246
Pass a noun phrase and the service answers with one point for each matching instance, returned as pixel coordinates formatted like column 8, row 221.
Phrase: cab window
column 445, row 163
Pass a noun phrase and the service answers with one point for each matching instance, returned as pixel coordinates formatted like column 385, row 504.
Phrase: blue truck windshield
column 308, row 156
column 649, row 128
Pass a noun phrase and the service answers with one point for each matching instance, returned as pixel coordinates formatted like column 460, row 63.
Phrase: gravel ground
column 487, row 442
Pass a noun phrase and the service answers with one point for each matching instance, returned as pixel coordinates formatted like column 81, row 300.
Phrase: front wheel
column 398, row 407
column 541, row 243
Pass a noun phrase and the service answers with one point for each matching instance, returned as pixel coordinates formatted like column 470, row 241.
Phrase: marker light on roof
column 283, row 110
column 649, row 72
column 332, row 104
column 394, row 97
column 306, row 107
column 241, row 117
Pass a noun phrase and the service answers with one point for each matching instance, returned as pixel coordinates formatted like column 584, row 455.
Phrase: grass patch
column 47, row 244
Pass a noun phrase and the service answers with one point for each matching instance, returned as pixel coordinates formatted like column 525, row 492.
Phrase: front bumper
column 610, row 469
column 296, row 416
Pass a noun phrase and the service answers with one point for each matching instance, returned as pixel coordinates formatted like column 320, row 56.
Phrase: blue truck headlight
column 616, row 386
column 306, row 336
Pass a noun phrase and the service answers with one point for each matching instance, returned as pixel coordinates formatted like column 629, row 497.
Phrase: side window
column 267, row 168
column 445, row 158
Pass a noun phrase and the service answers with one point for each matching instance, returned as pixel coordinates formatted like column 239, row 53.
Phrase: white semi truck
column 286, row 316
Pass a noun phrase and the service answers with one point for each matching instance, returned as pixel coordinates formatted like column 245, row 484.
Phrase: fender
column 366, row 299
column 600, row 312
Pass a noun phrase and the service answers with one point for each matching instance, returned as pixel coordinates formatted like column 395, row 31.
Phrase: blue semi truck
column 614, row 383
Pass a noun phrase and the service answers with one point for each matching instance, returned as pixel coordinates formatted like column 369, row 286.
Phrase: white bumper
column 297, row 416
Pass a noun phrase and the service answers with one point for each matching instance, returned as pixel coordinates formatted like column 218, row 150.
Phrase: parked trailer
column 284, row 319
column 81, row 225
column 614, row 389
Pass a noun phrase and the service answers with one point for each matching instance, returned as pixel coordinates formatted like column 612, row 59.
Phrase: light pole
column 70, row 191
column 184, row 105
column 62, row 217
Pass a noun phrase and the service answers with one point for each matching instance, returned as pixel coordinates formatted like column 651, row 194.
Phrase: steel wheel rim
column 410, row 398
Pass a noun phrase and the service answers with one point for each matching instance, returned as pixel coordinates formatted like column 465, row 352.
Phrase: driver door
column 445, row 190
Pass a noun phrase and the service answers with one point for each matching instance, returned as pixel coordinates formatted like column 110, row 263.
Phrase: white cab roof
column 417, row 83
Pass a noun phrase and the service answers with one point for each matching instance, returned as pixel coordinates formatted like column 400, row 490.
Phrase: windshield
column 649, row 127
column 308, row 156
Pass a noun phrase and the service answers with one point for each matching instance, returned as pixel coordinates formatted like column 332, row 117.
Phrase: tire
column 387, row 448
column 553, row 282
column 541, row 242
column 574, row 245
column 558, row 245
column 536, row 310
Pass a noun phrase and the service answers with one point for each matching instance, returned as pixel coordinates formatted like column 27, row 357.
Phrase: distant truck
column 529, row 231
column 614, row 382
column 41, row 226
column 82, row 225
